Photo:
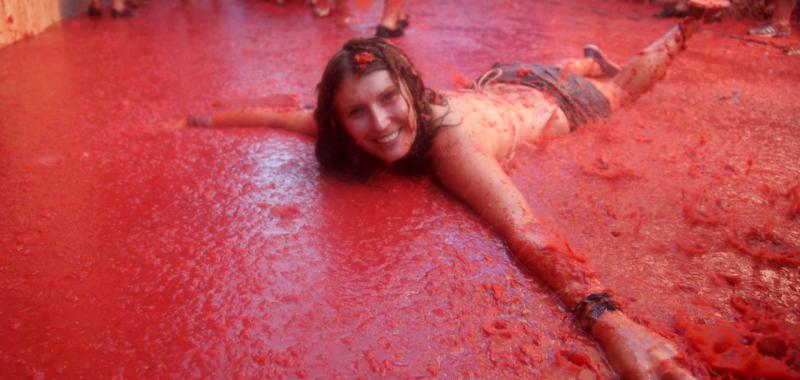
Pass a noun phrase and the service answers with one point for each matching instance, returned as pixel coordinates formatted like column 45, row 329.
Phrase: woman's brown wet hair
column 336, row 151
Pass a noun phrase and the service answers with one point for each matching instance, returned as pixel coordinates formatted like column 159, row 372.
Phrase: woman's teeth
column 389, row 137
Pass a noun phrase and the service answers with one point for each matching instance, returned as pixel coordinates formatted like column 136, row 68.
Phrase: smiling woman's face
column 375, row 112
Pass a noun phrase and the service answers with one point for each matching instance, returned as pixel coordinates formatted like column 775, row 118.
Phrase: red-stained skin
column 131, row 250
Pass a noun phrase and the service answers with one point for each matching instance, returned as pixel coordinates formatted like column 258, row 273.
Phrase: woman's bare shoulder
column 480, row 122
column 458, row 133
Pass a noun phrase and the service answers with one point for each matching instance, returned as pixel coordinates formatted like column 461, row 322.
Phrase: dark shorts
column 580, row 100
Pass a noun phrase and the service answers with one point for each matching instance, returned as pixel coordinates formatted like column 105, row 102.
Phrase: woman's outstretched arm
column 295, row 120
column 470, row 172
column 475, row 175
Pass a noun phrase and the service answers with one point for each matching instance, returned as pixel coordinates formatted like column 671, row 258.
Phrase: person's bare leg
column 118, row 5
column 779, row 25
column 783, row 12
column 594, row 64
column 393, row 11
column 120, row 10
column 95, row 4
column 392, row 23
column 323, row 8
column 644, row 69
column 647, row 67
column 95, row 10
column 346, row 12
column 682, row 6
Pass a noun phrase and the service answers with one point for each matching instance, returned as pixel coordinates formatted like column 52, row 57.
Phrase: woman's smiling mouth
column 389, row 138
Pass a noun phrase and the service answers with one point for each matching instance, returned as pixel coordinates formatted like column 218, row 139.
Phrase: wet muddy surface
column 131, row 249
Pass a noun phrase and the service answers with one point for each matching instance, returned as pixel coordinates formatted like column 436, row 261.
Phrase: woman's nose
column 380, row 118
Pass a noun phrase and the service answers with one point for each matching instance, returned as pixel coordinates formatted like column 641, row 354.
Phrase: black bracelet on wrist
column 198, row 121
column 589, row 310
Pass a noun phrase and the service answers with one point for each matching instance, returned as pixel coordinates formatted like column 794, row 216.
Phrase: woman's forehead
column 368, row 85
column 377, row 77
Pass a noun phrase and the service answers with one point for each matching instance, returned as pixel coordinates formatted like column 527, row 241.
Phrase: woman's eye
column 355, row 112
column 390, row 96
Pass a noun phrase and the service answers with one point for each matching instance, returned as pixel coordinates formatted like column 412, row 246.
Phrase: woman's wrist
column 590, row 310
column 199, row 121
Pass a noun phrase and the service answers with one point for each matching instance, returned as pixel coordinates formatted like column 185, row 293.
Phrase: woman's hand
column 636, row 352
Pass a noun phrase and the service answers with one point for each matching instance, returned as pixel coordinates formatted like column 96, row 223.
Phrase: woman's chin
column 389, row 158
column 395, row 150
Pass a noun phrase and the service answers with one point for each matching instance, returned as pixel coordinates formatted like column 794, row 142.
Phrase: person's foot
column 321, row 8
column 124, row 13
column 386, row 32
column 636, row 352
column 403, row 22
column 701, row 11
column 94, row 11
column 608, row 68
column 671, row 11
column 771, row 30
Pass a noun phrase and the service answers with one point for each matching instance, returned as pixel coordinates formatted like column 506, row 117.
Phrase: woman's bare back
column 501, row 117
